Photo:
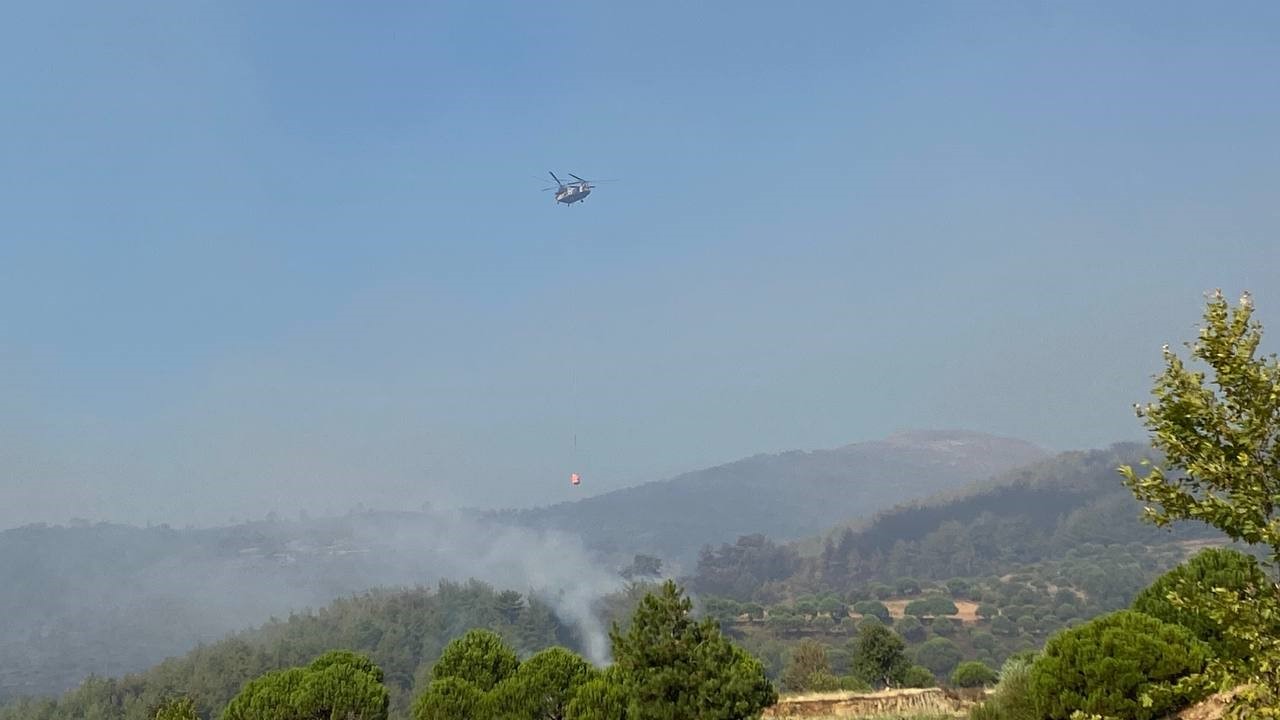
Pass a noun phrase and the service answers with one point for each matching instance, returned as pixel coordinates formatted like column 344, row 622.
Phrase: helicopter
column 570, row 193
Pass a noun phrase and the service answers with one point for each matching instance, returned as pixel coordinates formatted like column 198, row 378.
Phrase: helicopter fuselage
column 572, row 194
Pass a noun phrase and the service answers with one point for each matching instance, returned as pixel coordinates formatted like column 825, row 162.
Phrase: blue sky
column 292, row 255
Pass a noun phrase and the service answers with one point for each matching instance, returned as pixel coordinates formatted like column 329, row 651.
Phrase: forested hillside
column 1073, row 502
column 403, row 631
column 1041, row 547
column 980, row 574
column 785, row 496
column 111, row 599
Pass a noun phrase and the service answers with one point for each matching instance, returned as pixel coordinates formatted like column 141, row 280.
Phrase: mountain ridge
column 786, row 495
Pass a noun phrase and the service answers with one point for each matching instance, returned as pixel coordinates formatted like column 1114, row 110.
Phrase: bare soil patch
column 967, row 611
column 906, row 701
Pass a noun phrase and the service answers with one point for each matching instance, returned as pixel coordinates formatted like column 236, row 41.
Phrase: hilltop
column 786, row 496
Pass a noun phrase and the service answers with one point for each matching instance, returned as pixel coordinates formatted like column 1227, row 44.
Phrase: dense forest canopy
column 1040, row 513
column 403, row 631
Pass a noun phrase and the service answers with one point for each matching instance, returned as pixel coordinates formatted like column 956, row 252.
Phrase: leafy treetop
column 671, row 667
column 1220, row 440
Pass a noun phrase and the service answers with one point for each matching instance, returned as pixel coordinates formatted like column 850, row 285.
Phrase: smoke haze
column 126, row 597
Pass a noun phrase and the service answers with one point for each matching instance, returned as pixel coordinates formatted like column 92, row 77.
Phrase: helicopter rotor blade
column 553, row 177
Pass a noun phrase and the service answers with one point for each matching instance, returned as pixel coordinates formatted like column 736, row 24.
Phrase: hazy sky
column 288, row 255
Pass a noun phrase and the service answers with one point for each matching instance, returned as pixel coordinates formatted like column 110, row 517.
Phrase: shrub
column 940, row 655
column 972, row 673
column 853, row 683
column 1012, row 699
column 918, row 677
column 1109, row 664
column 808, row 668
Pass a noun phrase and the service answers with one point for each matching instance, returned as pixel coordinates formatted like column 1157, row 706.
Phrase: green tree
column 833, row 607
column 509, row 605
column 940, row 655
column 947, row 626
column 180, row 708
column 806, row 606
column 1221, row 444
column 972, row 673
column 1196, row 584
column 872, row 608
column 1125, row 664
column 604, row 697
column 451, row 698
column 643, row 567
column 958, row 587
column 673, row 667
column 1220, row 439
column 984, row 641
column 931, row 606
column 480, row 657
column 542, row 686
column 879, row 656
column 1003, row 625
column 910, row 627
column 337, row 684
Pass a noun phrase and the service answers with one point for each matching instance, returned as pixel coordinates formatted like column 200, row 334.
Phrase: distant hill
column 1069, row 504
column 786, row 496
